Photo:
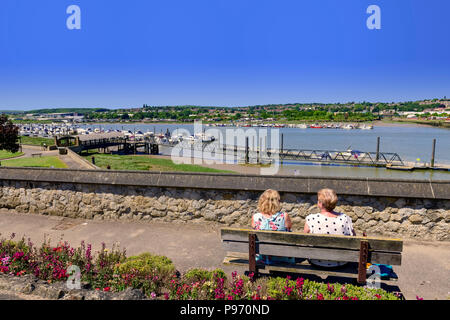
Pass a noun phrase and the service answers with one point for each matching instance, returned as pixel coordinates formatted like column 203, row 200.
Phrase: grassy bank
column 6, row 154
column 131, row 162
column 36, row 141
column 42, row 162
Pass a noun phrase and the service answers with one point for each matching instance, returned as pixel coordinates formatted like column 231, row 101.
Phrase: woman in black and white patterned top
column 328, row 222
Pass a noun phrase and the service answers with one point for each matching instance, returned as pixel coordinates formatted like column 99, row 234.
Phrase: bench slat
column 333, row 254
column 316, row 240
column 302, row 268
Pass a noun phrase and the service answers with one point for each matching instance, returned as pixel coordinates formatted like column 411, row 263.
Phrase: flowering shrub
column 156, row 275
column 146, row 271
column 51, row 263
column 300, row 289
column 196, row 274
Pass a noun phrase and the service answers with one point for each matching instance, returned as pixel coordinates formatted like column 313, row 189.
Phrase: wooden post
column 378, row 149
column 246, row 151
column 282, row 142
column 252, row 253
column 363, row 258
column 259, row 150
column 433, row 153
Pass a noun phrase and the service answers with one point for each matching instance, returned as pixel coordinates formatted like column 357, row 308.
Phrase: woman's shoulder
column 257, row 215
column 313, row 216
column 342, row 216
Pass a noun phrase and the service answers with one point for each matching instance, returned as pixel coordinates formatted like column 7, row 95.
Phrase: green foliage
column 9, row 135
column 130, row 162
column 6, row 154
column 155, row 275
column 36, row 141
column 196, row 274
column 42, row 162
column 146, row 272
column 286, row 289
column 147, row 263
column 67, row 110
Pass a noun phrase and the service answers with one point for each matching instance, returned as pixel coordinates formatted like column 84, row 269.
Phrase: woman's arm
column 287, row 222
column 306, row 228
column 253, row 223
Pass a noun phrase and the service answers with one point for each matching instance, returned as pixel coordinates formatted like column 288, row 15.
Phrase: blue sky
column 221, row 52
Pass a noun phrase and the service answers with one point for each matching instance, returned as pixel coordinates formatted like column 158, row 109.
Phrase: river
column 411, row 143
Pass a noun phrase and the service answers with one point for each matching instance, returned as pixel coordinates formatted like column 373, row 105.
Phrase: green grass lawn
column 37, row 141
column 131, row 162
column 6, row 154
column 42, row 162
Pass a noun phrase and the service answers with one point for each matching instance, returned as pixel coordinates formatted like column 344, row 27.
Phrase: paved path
column 71, row 163
column 30, row 150
column 425, row 269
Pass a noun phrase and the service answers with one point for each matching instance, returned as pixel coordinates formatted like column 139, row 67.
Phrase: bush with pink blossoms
column 157, row 278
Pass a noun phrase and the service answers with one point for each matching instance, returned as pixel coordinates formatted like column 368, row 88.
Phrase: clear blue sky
column 221, row 52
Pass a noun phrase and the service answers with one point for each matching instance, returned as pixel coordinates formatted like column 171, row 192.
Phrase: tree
column 9, row 135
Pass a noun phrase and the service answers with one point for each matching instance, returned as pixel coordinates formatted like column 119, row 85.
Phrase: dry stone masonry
column 425, row 219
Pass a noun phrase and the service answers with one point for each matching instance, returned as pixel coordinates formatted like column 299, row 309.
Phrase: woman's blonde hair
column 328, row 198
column 269, row 202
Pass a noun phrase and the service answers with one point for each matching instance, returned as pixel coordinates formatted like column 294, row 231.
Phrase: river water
column 412, row 144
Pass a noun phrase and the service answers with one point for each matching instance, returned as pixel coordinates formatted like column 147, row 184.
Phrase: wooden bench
column 242, row 245
column 34, row 155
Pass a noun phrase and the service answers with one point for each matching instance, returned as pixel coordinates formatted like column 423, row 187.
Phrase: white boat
column 189, row 139
column 204, row 137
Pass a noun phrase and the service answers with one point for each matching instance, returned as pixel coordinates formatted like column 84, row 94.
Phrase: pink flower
column 330, row 288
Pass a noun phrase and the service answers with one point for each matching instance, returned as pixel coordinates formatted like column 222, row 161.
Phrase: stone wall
column 400, row 217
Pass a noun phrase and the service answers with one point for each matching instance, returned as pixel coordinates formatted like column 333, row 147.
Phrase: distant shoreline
column 377, row 123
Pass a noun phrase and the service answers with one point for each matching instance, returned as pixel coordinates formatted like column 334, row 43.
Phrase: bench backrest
column 313, row 246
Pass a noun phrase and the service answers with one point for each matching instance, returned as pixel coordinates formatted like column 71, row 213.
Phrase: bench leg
column 252, row 254
column 363, row 258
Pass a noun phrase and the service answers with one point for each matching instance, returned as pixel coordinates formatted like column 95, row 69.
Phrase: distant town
column 436, row 110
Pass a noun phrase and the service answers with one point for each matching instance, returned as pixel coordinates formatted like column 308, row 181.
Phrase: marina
column 403, row 150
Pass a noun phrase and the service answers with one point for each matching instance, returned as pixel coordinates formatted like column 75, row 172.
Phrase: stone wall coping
column 405, row 188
